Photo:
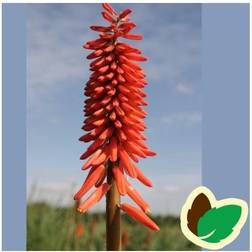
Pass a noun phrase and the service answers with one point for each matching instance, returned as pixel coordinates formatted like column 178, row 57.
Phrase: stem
column 113, row 221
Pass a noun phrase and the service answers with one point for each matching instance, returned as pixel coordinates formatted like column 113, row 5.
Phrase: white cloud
column 170, row 188
column 184, row 89
column 53, row 192
column 54, row 53
column 183, row 118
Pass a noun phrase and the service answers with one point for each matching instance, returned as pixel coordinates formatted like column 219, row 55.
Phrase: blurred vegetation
column 62, row 228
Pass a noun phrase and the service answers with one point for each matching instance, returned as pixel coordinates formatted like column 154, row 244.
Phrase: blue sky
column 57, row 71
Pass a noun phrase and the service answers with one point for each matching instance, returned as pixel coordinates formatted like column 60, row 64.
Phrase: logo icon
column 211, row 223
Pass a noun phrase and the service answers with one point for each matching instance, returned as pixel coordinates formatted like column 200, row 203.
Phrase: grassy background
column 62, row 228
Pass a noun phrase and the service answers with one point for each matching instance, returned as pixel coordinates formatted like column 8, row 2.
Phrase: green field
column 54, row 228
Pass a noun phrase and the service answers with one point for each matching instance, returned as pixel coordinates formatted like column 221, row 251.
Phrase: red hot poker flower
column 134, row 195
column 140, row 216
column 115, row 115
column 95, row 174
column 93, row 198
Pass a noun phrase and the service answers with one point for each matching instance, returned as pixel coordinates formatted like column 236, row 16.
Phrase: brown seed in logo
column 200, row 205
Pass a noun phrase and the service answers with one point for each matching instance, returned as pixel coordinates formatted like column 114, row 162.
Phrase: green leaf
column 217, row 223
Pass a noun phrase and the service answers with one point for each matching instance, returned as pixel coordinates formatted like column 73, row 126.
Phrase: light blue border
column 14, row 128
column 225, row 80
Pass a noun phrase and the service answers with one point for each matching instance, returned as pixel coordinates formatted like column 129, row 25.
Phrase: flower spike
column 115, row 114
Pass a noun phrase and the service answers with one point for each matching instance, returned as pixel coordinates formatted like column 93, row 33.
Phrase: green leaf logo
column 209, row 223
column 217, row 223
